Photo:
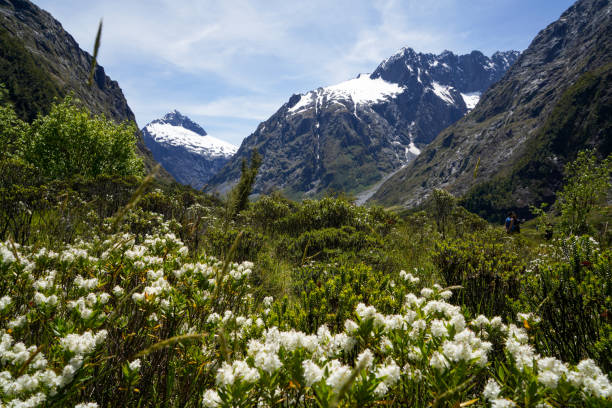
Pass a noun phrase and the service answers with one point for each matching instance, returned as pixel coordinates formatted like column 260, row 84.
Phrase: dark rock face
column 348, row 136
column 503, row 129
column 175, row 118
column 185, row 150
column 66, row 64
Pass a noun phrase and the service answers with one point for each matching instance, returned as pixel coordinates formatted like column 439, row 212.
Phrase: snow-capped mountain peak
column 185, row 149
column 176, row 118
column 176, row 129
column 362, row 90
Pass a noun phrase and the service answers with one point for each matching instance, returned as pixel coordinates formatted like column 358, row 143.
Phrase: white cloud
column 223, row 37
column 242, row 107
column 249, row 56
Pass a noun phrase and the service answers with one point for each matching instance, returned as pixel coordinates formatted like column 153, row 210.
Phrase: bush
column 569, row 288
column 485, row 268
column 69, row 141
column 586, row 184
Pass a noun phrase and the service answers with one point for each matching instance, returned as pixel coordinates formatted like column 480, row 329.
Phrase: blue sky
column 230, row 64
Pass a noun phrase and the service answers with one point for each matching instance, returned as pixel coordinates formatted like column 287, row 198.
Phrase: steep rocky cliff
column 513, row 140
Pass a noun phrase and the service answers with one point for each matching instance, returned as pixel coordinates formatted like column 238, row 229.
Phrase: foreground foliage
column 136, row 320
column 118, row 291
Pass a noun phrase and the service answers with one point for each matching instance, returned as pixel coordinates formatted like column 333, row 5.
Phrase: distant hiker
column 548, row 232
column 512, row 223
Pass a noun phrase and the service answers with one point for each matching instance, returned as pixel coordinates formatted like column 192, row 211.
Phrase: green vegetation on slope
column 30, row 89
column 581, row 119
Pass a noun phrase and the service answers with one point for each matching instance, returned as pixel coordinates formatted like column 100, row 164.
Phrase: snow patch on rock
column 443, row 92
column 362, row 90
column 179, row 136
column 471, row 99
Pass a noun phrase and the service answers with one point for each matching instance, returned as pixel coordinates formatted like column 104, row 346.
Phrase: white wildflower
column 438, row 328
column 87, row 284
column 6, row 255
column 338, row 374
column 211, row 399
column 491, row 390
column 365, row 359
column 389, row 373
column 41, row 299
column 312, row 372
column 4, row 302
column 17, row 322
column 502, row 403
column 365, row 312
column 426, row 292
column 134, row 365
column 84, row 343
column 381, row 389
column 350, row 326
column 438, row 362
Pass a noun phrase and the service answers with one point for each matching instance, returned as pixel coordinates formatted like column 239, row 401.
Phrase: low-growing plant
column 568, row 287
column 486, row 269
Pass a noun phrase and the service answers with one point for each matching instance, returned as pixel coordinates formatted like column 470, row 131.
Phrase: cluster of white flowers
column 312, row 372
column 87, row 284
column 46, row 282
column 4, row 302
column 338, row 374
column 84, row 343
column 241, row 271
column 86, row 405
column 157, row 286
column 466, row 346
column 239, row 369
column 38, row 379
column 211, row 399
column 84, row 304
column 41, row 299
column 491, row 390
column 407, row 276
column 118, row 290
column 6, row 255
column 17, row 322
column 390, row 375
column 435, row 330
column 134, row 365
column 75, row 253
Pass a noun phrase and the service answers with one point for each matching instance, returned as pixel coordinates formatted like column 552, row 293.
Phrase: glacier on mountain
column 179, row 136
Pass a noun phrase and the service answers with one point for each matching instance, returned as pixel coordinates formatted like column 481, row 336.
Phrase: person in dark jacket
column 512, row 223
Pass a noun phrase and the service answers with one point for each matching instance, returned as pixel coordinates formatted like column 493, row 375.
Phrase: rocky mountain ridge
column 347, row 137
column 505, row 129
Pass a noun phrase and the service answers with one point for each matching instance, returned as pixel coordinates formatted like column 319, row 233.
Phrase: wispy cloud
column 243, row 58
column 242, row 107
